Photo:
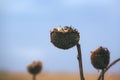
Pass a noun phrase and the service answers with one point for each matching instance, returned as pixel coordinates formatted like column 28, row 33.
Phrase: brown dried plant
column 34, row 68
column 100, row 58
column 65, row 38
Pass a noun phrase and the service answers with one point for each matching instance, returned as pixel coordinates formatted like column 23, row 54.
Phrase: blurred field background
column 55, row 76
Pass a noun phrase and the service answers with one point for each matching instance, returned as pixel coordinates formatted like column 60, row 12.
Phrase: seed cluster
column 64, row 38
column 35, row 67
column 65, row 29
column 100, row 58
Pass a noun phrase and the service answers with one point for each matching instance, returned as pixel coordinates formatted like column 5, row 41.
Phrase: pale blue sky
column 25, row 32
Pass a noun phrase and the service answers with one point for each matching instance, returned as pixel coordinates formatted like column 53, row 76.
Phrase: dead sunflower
column 64, row 38
column 100, row 58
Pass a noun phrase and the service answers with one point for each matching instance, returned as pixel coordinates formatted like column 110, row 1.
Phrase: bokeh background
column 25, row 33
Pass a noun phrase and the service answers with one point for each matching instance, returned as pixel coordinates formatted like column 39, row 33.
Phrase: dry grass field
column 54, row 76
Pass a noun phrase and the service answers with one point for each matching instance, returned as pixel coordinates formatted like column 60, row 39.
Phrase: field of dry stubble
column 55, row 76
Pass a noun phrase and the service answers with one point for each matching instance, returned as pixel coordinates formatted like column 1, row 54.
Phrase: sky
column 25, row 32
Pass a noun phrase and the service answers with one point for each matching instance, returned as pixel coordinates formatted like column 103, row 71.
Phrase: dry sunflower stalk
column 100, row 59
column 66, row 38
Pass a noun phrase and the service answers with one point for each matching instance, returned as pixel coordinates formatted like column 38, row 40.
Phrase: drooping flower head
column 64, row 38
column 100, row 58
column 35, row 67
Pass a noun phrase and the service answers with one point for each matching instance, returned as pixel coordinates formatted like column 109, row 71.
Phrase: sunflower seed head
column 35, row 67
column 100, row 58
column 64, row 38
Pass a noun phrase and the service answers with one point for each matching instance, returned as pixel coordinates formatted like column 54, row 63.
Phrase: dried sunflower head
column 34, row 68
column 100, row 58
column 64, row 38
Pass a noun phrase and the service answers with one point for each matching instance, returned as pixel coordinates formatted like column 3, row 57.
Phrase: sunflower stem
column 80, row 61
column 105, row 70
column 102, row 74
column 34, row 77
